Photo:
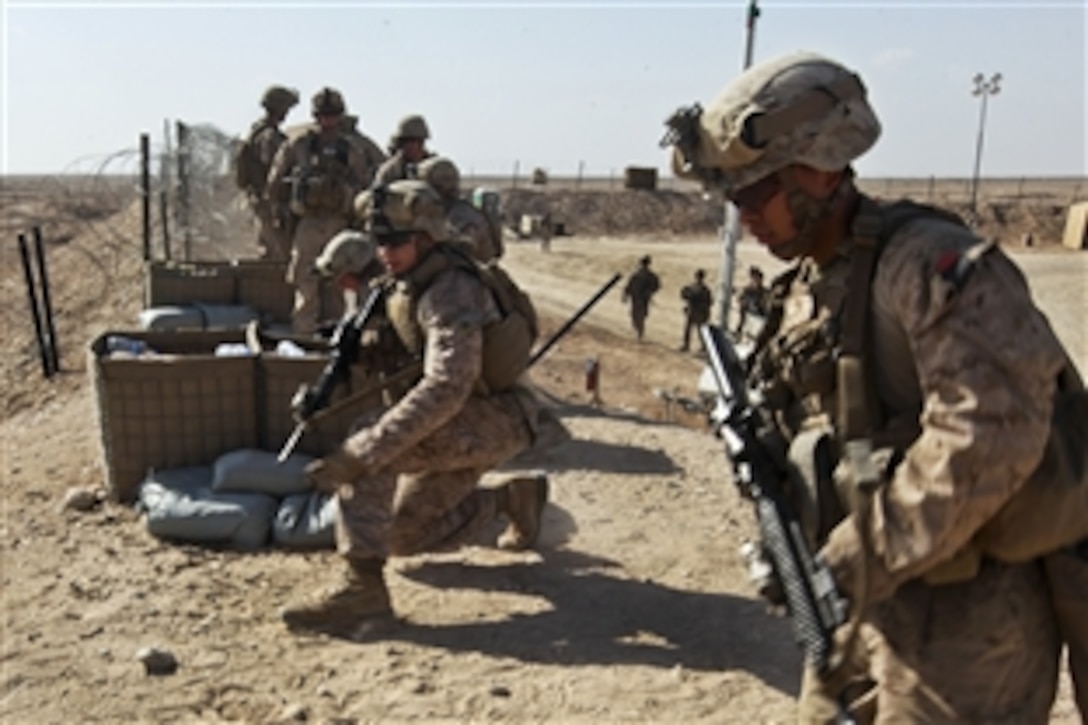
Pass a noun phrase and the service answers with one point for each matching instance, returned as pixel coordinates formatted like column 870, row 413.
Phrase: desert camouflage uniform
column 424, row 456
column 974, row 362
column 468, row 225
column 395, row 168
column 372, row 152
column 308, row 154
column 266, row 139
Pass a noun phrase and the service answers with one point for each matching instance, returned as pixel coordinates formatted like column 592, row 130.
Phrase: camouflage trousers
column 985, row 650
column 428, row 499
column 311, row 235
column 273, row 241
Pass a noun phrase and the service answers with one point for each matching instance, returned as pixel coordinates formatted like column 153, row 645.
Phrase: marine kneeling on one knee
column 408, row 478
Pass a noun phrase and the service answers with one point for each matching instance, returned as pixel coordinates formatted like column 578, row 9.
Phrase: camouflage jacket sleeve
column 451, row 313
column 987, row 364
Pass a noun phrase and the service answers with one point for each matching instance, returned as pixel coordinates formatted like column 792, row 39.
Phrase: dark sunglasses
column 754, row 197
column 392, row 241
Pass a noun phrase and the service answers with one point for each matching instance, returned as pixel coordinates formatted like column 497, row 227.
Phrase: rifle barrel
column 558, row 335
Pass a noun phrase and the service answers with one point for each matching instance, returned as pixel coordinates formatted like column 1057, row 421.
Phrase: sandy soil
column 635, row 607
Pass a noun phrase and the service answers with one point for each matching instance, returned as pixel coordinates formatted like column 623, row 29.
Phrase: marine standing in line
column 899, row 329
column 407, row 148
column 314, row 178
column 466, row 224
column 253, row 163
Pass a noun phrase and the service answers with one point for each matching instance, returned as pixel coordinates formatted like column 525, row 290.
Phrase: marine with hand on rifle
column 913, row 398
column 408, row 478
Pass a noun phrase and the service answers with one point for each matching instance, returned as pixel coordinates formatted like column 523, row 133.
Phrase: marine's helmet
column 327, row 102
column 350, row 251
column 412, row 127
column 441, row 174
column 409, row 205
column 279, row 98
column 800, row 108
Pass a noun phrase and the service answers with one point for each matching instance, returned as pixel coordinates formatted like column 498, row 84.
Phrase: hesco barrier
column 260, row 285
column 184, row 406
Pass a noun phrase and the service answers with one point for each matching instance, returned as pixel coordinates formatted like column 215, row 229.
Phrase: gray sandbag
column 230, row 316
column 306, row 521
column 180, row 505
column 197, row 316
column 171, row 317
column 255, row 471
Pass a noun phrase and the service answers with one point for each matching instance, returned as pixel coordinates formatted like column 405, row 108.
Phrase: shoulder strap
column 873, row 226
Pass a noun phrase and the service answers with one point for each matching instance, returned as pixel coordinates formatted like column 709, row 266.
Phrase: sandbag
column 171, row 317
column 198, row 316
column 180, row 505
column 306, row 521
column 255, row 471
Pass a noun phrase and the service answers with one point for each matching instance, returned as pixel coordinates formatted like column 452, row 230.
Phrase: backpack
column 249, row 173
column 489, row 202
column 508, row 341
column 1050, row 511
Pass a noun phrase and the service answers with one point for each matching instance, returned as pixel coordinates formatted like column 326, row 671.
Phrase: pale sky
column 548, row 84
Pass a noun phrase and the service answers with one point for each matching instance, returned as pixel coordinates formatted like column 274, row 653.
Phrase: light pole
column 984, row 88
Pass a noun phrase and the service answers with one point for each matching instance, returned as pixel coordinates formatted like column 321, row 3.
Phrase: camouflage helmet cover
column 279, row 98
column 409, row 205
column 327, row 101
column 412, row 127
column 441, row 174
column 350, row 251
column 799, row 108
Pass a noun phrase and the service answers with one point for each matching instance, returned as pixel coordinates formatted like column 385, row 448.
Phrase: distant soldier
column 640, row 289
column 315, row 177
column 465, row 223
column 407, row 149
column 751, row 299
column 697, row 301
column 375, row 157
column 252, row 162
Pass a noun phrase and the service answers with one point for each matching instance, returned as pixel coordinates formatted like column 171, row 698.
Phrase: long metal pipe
column 32, row 295
column 46, row 301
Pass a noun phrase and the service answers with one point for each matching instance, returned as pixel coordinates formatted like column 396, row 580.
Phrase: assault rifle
column 814, row 604
column 344, row 345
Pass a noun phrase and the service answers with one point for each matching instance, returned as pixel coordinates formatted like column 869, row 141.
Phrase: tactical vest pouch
column 320, row 195
column 1050, row 512
column 507, row 346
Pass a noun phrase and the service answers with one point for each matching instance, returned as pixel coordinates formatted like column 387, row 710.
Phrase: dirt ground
column 635, row 606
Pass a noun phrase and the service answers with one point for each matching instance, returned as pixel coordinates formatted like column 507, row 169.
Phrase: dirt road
column 635, row 608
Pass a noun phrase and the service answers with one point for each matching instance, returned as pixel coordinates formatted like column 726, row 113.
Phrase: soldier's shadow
column 600, row 619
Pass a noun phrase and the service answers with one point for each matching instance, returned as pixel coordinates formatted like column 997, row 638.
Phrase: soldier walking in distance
column 314, row 178
column 408, row 478
column 251, row 166
column 751, row 300
column 408, row 148
column 898, row 331
column 639, row 290
column 697, row 302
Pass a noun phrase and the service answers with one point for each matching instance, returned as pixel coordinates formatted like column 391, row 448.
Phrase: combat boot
column 522, row 501
column 362, row 598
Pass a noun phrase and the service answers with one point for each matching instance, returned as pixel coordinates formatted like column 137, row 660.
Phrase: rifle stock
column 815, row 605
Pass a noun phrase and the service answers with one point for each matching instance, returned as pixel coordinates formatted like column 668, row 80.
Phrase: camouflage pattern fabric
column 422, row 458
column 395, row 168
column 976, row 364
column 468, row 225
column 311, row 236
